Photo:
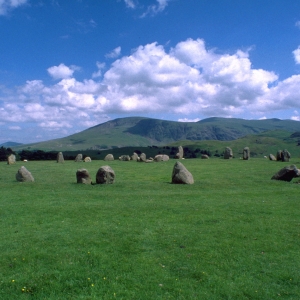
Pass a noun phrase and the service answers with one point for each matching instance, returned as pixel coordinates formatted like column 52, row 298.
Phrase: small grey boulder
column 181, row 174
column 78, row 158
column 272, row 157
column 161, row 157
column 204, row 156
column 124, row 158
column 83, row 176
column 23, row 175
column 109, row 157
column 11, row 159
column 105, row 175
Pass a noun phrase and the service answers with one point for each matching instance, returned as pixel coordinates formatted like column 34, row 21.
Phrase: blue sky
column 69, row 65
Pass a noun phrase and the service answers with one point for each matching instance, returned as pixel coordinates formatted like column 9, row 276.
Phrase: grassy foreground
column 234, row 234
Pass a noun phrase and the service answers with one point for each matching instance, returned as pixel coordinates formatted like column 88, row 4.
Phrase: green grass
column 234, row 234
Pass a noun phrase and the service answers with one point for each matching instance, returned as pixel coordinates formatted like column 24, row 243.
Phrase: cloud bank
column 7, row 5
column 187, row 82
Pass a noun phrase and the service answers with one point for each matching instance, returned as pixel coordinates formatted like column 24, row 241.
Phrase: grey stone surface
column 161, row 157
column 134, row 156
column 228, row 153
column 60, row 157
column 124, row 158
column 23, row 175
column 105, row 175
column 143, row 157
column 181, row 175
column 179, row 154
column 287, row 173
column 204, row 156
column 78, row 157
column 272, row 157
column 246, row 153
column 285, row 155
column 87, row 159
column 11, row 159
column 109, row 157
column 83, row 176
column 279, row 155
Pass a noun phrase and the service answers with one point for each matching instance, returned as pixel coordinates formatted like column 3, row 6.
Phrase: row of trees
column 5, row 152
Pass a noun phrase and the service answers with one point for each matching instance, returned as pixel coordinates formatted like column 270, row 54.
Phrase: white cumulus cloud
column 6, row 5
column 61, row 71
column 114, row 53
column 297, row 55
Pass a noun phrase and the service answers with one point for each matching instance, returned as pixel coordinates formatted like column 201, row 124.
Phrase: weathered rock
column 87, row 159
column 228, row 153
column 105, row 175
column 83, row 176
column 287, row 173
column 204, row 156
column 23, row 175
column 11, row 159
column 179, row 154
column 161, row 157
column 143, row 157
column 279, row 155
column 149, row 160
column 181, row 174
column 78, row 158
column 134, row 156
column 272, row 157
column 285, row 155
column 246, row 153
column 60, row 157
column 109, row 157
column 124, row 158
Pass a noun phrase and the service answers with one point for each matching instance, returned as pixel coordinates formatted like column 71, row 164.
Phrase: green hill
column 143, row 132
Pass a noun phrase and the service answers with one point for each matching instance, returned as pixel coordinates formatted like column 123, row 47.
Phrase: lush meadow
column 234, row 234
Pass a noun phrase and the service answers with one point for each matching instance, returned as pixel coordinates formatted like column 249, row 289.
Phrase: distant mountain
column 139, row 131
column 10, row 144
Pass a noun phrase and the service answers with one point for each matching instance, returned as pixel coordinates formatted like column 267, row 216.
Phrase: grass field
column 234, row 234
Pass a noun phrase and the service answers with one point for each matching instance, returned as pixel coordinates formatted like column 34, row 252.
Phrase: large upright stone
column 134, row 157
column 279, row 155
column 179, row 154
column 287, row 173
column 60, row 157
column 285, row 155
column 11, row 159
column 78, row 158
column 83, row 176
column 105, row 175
column 228, row 153
column 143, row 157
column 109, row 157
column 23, row 175
column 181, row 175
column 161, row 157
column 246, row 153
column 272, row 157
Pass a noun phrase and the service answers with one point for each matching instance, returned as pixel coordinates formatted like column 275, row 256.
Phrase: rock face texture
column 134, row 157
column 285, row 155
column 279, row 155
column 83, row 176
column 143, row 157
column 78, row 158
column 124, row 158
column 246, row 153
column 105, row 175
column 87, row 159
column 23, row 175
column 181, row 175
column 287, row 173
column 109, row 157
column 228, row 153
column 272, row 157
column 161, row 157
column 60, row 158
column 11, row 159
column 179, row 154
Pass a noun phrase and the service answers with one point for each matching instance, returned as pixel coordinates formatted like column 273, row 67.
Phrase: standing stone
column 109, row 157
column 11, row 159
column 83, row 176
column 285, row 155
column 124, row 158
column 161, row 157
column 60, row 157
column 24, row 175
column 87, row 159
column 105, row 175
column 181, row 174
column 179, row 154
column 204, row 156
column 134, row 156
column 279, row 155
column 143, row 157
column 287, row 173
column 78, row 158
column 246, row 153
column 272, row 157
column 228, row 153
